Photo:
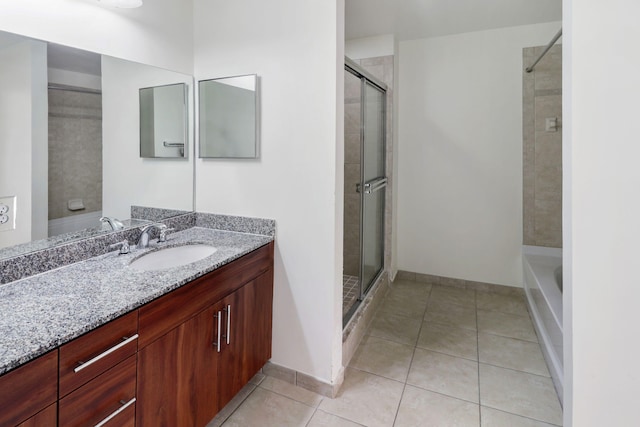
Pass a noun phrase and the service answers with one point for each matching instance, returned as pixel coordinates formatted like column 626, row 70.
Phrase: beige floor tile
column 395, row 327
column 494, row 418
column 409, row 286
column 512, row 353
column 383, row 357
column 406, row 303
column 506, row 325
column 420, row 408
column 292, row 392
column 451, row 295
column 444, row 374
column 324, row 419
column 237, row 400
column 366, row 399
column 511, row 304
column 265, row 408
column 528, row 395
column 451, row 315
column 450, row 340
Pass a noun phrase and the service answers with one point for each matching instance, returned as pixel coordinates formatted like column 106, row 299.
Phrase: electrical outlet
column 7, row 213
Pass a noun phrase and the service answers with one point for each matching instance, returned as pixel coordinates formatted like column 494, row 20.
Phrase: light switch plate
column 7, row 213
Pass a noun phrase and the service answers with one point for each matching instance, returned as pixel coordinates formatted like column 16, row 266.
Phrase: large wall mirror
column 228, row 111
column 70, row 142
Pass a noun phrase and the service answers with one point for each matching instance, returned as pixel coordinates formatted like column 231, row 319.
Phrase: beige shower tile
column 494, row 418
column 366, row 399
column 547, row 106
column 395, row 327
column 351, row 178
column 449, row 340
column 512, row 304
column 453, row 376
column 512, row 353
column 451, row 315
column 325, row 419
column 506, row 325
column 265, row 408
column 383, row 357
column 352, row 148
column 420, row 407
column 453, row 295
column 291, row 391
column 352, row 209
column 519, row 393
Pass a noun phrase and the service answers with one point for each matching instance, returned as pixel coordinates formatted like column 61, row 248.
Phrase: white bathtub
column 544, row 297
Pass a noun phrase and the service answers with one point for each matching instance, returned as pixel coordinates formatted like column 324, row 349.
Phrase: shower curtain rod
column 551, row 43
column 54, row 86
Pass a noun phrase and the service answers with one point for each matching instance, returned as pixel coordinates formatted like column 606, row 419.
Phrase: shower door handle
column 375, row 185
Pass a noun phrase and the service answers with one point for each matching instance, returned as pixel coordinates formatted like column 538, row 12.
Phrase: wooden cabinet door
column 177, row 376
column 247, row 316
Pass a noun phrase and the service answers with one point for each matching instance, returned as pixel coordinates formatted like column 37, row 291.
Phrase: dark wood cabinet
column 29, row 389
column 177, row 376
column 201, row 344
column 247, row 324
column 48, row 417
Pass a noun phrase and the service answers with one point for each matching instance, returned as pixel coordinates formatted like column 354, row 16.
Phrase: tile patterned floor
column 434, row 356
column 350, row 292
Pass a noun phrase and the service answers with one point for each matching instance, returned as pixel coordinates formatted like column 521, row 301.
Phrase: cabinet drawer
column 48, row 417
column 28, row 389
column 111, row 394
column 84, row 358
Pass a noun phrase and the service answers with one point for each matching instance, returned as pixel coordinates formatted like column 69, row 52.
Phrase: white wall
column 296, row 48
column 23, row 138
column 602, row 188
column 370, row 47
column 460, row 153
column 158, row 33
column 126, row 178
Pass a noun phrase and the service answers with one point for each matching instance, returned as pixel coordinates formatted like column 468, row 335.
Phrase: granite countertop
column 42, row 312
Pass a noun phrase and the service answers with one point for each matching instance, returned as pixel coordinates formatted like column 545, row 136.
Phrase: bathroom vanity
column 125, row 347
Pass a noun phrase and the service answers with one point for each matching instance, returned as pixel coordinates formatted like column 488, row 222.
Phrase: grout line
column 514, row 370
column 519, row 415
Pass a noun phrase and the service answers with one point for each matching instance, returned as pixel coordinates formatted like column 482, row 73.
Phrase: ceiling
column 416, row 19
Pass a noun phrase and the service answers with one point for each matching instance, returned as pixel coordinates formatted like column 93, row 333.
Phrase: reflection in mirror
column 69, row 143
column 228, row 117
column 163, row 121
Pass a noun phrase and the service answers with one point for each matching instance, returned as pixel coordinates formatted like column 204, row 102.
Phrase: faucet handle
column 163, row 233
column 124, row 247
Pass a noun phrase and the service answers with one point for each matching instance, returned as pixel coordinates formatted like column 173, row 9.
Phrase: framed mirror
column 229, row 117
column 163, row 121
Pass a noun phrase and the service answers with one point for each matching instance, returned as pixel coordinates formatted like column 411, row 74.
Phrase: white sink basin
column 172, row 257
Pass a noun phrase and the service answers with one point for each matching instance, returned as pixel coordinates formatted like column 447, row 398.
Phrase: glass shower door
column 373, row 185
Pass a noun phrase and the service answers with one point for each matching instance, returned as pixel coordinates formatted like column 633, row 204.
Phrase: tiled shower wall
column 542, row 149
column 381, row 68
column 75, row 151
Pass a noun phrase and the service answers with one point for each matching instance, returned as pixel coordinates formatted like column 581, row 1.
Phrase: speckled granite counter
column 42, row 312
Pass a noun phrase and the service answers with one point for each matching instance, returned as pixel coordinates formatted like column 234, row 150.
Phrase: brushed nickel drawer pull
column 115, row 413
column 228, row 324
column 105, row 353
column 218, row 316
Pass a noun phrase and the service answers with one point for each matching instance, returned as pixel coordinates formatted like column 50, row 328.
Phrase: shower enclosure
column 365, row 184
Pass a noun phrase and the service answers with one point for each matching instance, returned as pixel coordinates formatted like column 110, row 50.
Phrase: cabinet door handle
column 115, row 413
column 218, row 316
column 228, row 324
column 82, row 365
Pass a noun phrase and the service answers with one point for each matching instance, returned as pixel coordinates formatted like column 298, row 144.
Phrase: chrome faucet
column 115, row 223
column 143, row 240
